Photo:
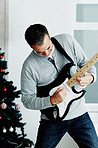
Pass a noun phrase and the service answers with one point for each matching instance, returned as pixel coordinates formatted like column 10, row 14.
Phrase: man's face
column 44, row 49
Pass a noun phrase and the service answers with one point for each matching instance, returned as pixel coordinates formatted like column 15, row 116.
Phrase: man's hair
column 34, row 34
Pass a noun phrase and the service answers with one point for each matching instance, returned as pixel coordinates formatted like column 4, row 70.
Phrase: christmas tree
column 10, row 116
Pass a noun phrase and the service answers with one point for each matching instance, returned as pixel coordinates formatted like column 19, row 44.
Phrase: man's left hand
column 84, row 81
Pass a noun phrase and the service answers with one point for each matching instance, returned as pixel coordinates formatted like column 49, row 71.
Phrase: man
column 38, row 71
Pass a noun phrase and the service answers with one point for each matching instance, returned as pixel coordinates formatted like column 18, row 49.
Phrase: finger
column 77, row 70
column 81, row 81
column 78, row 79
column 59, row 89
column 83, row 84
column 85, row 74
column 82, row 87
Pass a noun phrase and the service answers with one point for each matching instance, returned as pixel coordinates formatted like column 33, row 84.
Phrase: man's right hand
column 58, row 96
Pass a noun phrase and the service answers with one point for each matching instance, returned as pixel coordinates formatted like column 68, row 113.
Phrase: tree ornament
column 5, row 89
column 4, row 130
column 0, row 117
column 1, row 56
column 3, row 105
column 1, row 70
column 17, row 107
column 11, row 129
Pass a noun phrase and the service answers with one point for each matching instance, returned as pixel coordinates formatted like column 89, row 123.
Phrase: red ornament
column 1, row 70
column 5, row 89
column 1, row 56
column 0, row 117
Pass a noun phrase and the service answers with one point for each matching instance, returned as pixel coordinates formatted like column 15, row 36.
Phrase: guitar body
column 69, row 98
column 60, row 110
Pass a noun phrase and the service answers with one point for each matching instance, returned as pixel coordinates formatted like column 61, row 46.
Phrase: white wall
column 59, row 17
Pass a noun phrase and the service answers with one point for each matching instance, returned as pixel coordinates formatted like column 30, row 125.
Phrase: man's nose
column 46, row 53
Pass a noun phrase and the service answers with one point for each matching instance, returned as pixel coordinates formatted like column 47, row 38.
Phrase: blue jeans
column 81, row 129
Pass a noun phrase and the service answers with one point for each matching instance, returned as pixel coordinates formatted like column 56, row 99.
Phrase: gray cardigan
column 38, row 71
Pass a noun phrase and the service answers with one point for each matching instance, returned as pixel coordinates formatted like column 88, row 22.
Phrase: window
column 86, row 33
column 87, row 13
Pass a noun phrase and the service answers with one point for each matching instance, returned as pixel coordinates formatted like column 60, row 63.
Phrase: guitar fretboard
column 83, row 70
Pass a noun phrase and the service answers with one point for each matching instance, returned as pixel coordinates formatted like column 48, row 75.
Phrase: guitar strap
column 61, row 49
column 52, row 113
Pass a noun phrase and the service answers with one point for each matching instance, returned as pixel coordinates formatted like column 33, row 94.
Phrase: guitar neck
column 83, row 70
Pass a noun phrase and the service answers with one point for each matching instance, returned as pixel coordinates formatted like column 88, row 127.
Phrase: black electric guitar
column 63, row 81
